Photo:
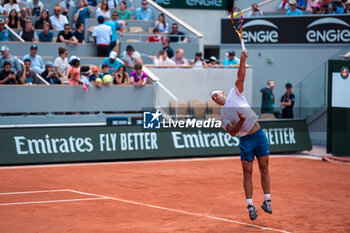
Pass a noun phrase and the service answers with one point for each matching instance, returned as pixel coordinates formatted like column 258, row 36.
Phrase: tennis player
column 237, row 117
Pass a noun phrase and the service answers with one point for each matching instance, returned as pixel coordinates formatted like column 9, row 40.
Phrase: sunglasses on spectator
column 145, row 3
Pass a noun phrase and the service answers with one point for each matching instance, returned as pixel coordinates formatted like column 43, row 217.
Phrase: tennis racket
column 237, row 23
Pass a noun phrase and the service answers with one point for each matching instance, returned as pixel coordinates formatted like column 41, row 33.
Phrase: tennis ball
column 235, row 14
column 107, row 78
column 98, row 80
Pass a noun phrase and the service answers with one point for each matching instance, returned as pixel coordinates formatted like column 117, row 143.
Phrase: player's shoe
column 253, row 212
column 266, row 206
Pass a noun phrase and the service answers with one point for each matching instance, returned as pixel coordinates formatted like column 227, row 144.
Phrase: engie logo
column 151, row 120
column 332, row 30
column 163, row 2
column 204, row 2
column 265, row 34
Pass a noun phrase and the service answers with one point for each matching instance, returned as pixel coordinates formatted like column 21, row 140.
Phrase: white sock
column 267, row 196
column 249, row 201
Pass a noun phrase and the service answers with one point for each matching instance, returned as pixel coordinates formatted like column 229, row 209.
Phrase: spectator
column 311, row 4
column 122, row 77
column 255, row 12
column 28, row 33
column 213, row 62
column 114, row 24
column 176, row 35
column 9, row 5
column 58, row 20
column 268, row 98
column 123, row 12
column 26, row 75
column 66, row 5
column 287, row 101
column 7, row 76
column 105, row 69
column 95, row 75
column 66, row 36
column 347, row 6
column 50, row 75
column 131, row 57
column 336, row 9
column 79, row 32
column 61, row 63
column 199, row 61
column 156, row 37
column 129, row 3
column 23, row 17
column 138, row 77
column 143, row 12
column 44, row 18
column 301, row 4
column 162, row 59
column 37, row 63
column 113, row 3
column 293, row 9
column 161, row 25
column 82, row 12
column 167, row 48
column 285, row 5
column 325, row 9
column 34, row 7
column 92, row 3
column 231, row 59
column 14, row 61
column 112, row 62
column 74, row 73
column 12, row 20
column 103, row 10
column 179, row 58
column 316, row 10
column 102, row 36
column 85, row 74
column 4, row 33
column 46, row 35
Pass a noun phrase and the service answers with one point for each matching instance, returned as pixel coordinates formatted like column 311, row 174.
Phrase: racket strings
column 236, row 18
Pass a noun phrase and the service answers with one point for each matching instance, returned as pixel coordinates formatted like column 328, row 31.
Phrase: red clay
column 307, row 196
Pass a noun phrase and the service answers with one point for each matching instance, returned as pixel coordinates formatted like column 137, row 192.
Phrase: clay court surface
column 205, row 195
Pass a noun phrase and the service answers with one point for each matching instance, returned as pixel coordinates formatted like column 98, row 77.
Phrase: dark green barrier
column 92, row 143
column 194, row 4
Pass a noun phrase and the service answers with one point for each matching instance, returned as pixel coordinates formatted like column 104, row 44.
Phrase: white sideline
column 152, row 161
column 53, row 201
column 182, row 212
column 39, row 191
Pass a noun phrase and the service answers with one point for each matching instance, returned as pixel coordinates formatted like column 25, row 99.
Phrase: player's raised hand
column 240, row 115
column 244, row 54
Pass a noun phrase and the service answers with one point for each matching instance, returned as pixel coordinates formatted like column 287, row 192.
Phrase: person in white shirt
column 102, row 35
column 58, row 20
column 103, row 10
column 161, row 25
column 237, row 117
column 61, row 63
column 162, row 59
column 9, row 5
column 34, row 7
column 131, row 57
column 66, row 5
column 255, row 12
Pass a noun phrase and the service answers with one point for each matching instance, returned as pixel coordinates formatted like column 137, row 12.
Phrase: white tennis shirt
column 236, row 101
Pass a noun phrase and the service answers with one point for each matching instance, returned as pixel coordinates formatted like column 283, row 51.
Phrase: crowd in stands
column 300, row 7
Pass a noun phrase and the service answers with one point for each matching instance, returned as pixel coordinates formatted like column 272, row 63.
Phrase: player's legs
column 248, row 187
column 264, row 171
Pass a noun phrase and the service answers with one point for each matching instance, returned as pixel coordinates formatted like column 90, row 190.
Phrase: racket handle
column 243, row 47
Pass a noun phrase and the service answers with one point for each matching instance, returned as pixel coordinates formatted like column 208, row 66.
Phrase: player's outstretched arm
column 241, row 71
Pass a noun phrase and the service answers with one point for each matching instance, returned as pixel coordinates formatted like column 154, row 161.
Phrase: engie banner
column 102, row 143
column 293, row 30
column 194, row 4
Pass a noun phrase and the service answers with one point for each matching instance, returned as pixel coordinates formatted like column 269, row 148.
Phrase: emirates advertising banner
column 108, row 143
column 290, row 30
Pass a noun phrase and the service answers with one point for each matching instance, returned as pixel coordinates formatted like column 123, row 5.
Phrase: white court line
column 40, row 191
column 152, row 161
column 182, row 212
column 53, row 201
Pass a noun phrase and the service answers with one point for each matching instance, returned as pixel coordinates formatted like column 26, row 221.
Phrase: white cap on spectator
column 4, row 48
column 72, row 58
column 113, row 55
column 292, row 2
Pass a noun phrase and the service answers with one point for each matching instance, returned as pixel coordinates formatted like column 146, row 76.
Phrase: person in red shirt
column 156, row 37
column 74, row 73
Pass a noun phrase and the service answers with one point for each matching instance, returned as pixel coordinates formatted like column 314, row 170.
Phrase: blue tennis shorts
column 254, row 144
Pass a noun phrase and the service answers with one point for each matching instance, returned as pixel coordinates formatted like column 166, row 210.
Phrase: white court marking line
column 53, row 201
column 39, row 191
column 182, row 212
column 152, row 161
